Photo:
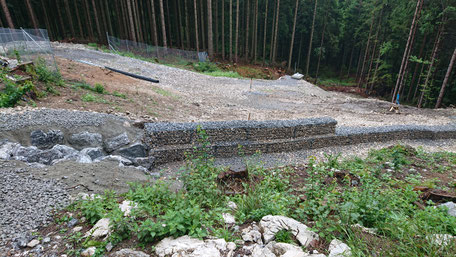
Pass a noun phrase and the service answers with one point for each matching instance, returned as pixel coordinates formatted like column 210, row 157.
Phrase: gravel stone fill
column 47, row 117
column 26, row 202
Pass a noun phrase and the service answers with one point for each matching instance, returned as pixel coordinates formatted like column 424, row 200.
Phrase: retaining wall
column 170, row 141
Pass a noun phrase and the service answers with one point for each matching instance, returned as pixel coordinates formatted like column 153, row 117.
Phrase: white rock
column 261, row 251
column 273, row 224
column 77, row 229
column 284, row 249
column 294, row 253
column 100, row 229
column 7, row 149
column 338, row 249
column 129, row 253
column 232, row 205
column 170, row 246
column 251, row 235
column 89, row 251
column 229, row 219
column 441, row 239
column 127, row 206
column 33, row 243
column 451, row 208
column 371, row 231
column 231, row 246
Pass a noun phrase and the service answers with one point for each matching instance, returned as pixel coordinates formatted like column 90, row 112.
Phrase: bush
column 13, row 92
column 205, row 67
column 99, row 88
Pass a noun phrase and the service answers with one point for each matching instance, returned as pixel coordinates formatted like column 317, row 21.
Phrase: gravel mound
column 26, row 201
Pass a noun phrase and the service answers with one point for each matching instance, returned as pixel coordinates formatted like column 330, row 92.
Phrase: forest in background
column 384, row 47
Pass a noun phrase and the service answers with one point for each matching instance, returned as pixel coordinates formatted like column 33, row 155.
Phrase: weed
column 284, row 236
column 120, row 95
column 12, row 92
column 99, row 88
column 92, row 98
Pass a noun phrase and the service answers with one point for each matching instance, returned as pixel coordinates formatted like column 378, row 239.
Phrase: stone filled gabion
column 26, row 202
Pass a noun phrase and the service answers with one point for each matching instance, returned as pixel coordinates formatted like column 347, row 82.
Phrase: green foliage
column 284, row 236
column 50, row 78
column 120, row 95
column 12, row 93
column 205, row 67
column 99, row 88
column 93, row 98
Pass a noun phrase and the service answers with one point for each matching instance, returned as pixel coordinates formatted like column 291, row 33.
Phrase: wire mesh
column 28, row 45
column 162, row 54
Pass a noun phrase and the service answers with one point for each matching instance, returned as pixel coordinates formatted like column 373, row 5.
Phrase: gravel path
column 220, row 98
column 26, row 201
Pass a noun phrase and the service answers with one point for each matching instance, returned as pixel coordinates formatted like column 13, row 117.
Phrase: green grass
column 93, row 98
column 337, row 82
column 228, row 74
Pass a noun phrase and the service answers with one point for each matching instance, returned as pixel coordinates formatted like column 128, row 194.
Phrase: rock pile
column 48, row 148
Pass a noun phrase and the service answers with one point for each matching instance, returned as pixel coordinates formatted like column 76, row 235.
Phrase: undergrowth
column 330, row 205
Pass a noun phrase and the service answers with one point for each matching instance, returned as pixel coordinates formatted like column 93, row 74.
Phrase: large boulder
column 114, row 143
column 93, row 153
column 186, row 246
column 129, row 253
column 131, row 152
column 8, row 149
column 45, row 157
column 86, row 139
column 273, row 224
column 44, row 140
column 146, row 162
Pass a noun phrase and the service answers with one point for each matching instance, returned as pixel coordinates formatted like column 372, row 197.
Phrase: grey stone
column 86, row 139
column 46, row 240
column 33, row 243
column 45, row 157
column 451, row 208
column 8, row 149
column 338, row 249
column 73, row 222
column 47, row 140
column 93, row 153
column 146, row 162
column 109, row 247
column 114, row 143
column 136, row 150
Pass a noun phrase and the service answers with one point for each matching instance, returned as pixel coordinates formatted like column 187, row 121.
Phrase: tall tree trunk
column 94, row 6
column 319, row 55
column 374, row 77
column 445, row 81
column 361, row 76
column 195, row 8
column 351, row 61
column 202, row 24
column 187, row 25
column 265, row 30
column 274, row 54
column 132, row 24
column 216, row 41
column 300, row 50
column 162, row 15
column 170, row 32
column 108, row 16
column 210, row 38
column 431, row 65
column 32, row 14
column 293, row 35
column 178, row 22
column 247, row 25
column 78, row 18
column 88, row 18
column 137, row 21
column 7, row 14
column 406, row 52
column 309, row 51
column 416, row 69
column 70, row 19
column 153, row 21
column 271, row 45
column 236, row 56
column 344, row 55
column 223, row 29
column 46, row 19
column 231, row 30
column 404, row 77
column 373, row 50
column 60, row 17
column 255, row 44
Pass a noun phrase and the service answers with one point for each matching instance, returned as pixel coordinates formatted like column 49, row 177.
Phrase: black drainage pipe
column 133, row 75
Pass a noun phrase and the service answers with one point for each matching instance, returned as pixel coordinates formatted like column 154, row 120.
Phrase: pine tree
column 7, row 14
column 311, row 38
column 445, row 81
column 293, row 34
